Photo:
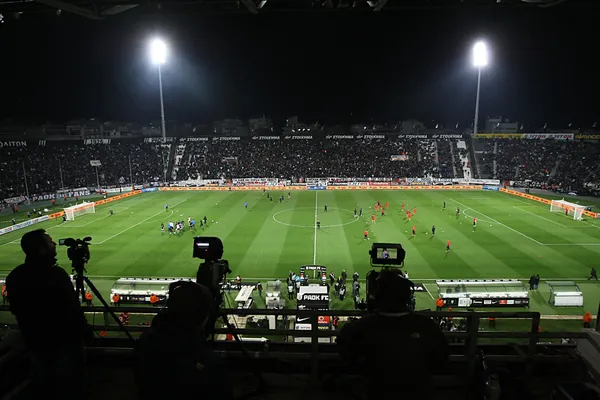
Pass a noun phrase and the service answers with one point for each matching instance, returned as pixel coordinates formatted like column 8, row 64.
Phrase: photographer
column 395, row 350
column 54, row 339
column 173, row 360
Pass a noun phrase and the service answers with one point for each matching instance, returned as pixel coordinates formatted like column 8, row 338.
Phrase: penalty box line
column 497, row 222
column 139, row 223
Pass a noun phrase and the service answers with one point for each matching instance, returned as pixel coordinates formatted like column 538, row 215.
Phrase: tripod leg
column 107, row 307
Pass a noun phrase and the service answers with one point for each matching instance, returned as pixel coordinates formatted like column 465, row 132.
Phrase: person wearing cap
column 392, row 335
column 172, row 358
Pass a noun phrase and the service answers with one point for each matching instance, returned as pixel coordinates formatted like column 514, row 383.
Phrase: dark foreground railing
column 467, row 341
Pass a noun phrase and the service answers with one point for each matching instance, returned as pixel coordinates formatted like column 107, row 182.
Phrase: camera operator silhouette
column 394, row 349
column 176, row 341
column 55, row 339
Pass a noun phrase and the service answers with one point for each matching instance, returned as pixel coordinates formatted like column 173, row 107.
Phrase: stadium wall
column 330, row 187
column 542, row 200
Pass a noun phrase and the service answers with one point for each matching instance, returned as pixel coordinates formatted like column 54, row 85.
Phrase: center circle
column 310, row 215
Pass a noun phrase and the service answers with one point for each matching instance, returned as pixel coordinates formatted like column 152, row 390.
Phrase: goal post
column 80, row 209
column 572, row 209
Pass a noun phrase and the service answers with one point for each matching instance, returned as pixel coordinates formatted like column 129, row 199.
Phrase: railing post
column 471, row 343
column 533, row 339
column 314, row 348
column 598, row 319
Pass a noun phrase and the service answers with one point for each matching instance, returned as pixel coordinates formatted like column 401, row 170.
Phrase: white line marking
column 312, row 226
column 316, row 217
column 428, row 292
column 539, row 216
column 133, row 226
column 571, row 244
column 499, row 223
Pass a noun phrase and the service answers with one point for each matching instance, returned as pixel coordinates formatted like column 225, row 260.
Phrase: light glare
column 158, row 51
column 480, row 55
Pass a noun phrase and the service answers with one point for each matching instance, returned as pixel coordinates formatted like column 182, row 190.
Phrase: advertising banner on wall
column 370, row 137
column 339, row 137
column 266, row 137
column 298, row 137
column 498, row 136
column 24, row 224
column 414, row 136
column 159, row 140
column 226, row 138
column 587, row 137
column 194, row 139
column 13, row 143
column 555, row 136
column 88, row 142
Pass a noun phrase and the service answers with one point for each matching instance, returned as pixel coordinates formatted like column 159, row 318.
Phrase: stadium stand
column 564, row 165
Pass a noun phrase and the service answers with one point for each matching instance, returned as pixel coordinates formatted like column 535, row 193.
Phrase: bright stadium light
column 480, row 55
column 158, row 51
column 480, row 60
column 158, row 54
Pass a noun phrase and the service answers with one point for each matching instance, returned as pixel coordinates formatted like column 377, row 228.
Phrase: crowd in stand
column 298, row 158
column 67, row 165
column 568, row 165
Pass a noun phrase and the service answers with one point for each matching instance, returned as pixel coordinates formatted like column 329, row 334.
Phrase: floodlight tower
column 480, row 60
column 158, row 54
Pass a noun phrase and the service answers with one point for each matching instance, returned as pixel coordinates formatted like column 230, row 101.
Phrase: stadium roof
column 100, row 9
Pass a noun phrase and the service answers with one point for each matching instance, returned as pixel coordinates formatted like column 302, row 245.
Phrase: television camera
column 389, row 257
column 212, row 273
column 78, row 251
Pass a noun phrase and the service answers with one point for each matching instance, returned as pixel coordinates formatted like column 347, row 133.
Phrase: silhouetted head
column 190, row 304
column 39, row 246
column 393, row 292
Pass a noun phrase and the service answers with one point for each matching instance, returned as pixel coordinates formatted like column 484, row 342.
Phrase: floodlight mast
column 158, row 53
column 480, row 60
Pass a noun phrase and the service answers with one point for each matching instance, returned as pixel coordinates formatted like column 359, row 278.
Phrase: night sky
column 330, row 67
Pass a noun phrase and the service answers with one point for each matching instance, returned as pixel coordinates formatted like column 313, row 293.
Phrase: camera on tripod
column 389, row 257
column 78, row 249
column 213, row 271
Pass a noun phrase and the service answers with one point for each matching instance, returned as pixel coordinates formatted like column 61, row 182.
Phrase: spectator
column 57, row 354
column 175, row 342
column 414, row 338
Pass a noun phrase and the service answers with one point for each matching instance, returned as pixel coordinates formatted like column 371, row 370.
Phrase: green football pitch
column 514, row 238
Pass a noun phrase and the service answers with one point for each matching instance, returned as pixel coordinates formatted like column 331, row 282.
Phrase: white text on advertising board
column 338, row 137
column 308, row 137
column 413, row 136
column 265, row 138
column 96, row 141
column 370, row 137
column 226, row 138
column 556, row 136
column 315, row 297
column 14, row 143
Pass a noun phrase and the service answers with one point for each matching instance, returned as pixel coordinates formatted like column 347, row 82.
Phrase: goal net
column 80, row 209
column 571, row 209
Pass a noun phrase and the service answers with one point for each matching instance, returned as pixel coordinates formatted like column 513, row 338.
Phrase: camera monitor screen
column 387, row 254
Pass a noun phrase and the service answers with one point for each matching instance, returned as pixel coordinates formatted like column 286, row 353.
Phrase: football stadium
column 368, row 200
column 500, row 255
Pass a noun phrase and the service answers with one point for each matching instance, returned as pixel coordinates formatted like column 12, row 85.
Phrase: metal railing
column 469, row 338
